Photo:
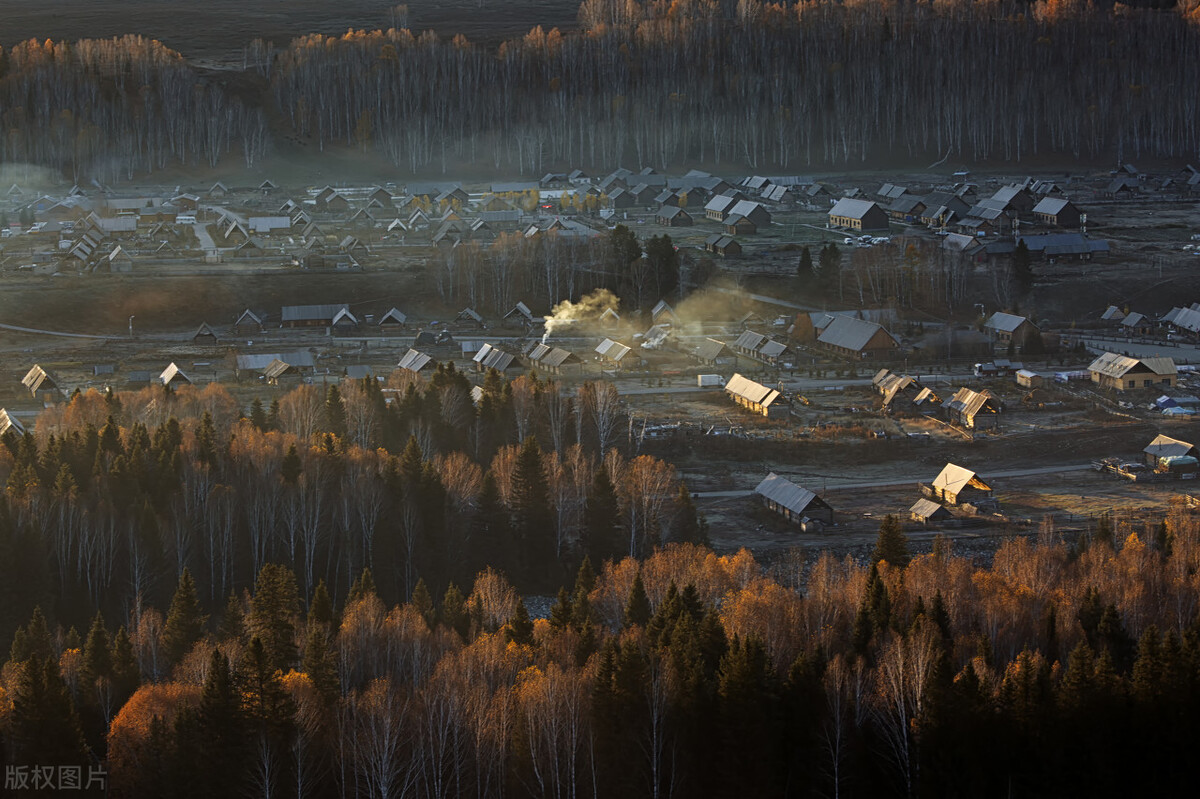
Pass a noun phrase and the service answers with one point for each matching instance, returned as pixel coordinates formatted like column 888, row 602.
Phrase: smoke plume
column 588, row 309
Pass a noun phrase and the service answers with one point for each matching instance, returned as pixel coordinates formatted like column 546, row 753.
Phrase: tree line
column 1060, row 669
column 756, row 86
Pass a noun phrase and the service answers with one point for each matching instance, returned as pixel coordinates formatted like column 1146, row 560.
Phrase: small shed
column 1028, row 379
column 414, row 361
column 725, row 246
column 249, row 322
column 469, row 315
column 926, row 511
column 40, row 384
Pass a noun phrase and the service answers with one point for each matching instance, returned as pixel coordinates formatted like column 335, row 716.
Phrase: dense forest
column 755, row 85
column 212, row 605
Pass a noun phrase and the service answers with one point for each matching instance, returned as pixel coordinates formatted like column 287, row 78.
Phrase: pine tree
column 319, row 664
column 454, row 612
column 804, row 268
column 532, row 514
column 126, row 675
column 335, row 412
column 422, row 602
column 560, row 611
column 265, row 704
column 291, row 467
column 233, row 620
column 273, row 415
column 97, row 656
column 1022, row 266
column 273, row 613
column 602, row 534
column 892, row 543
column 320, row 609
column 520, row 627
column 258, row 416
column 637, row 608
column 185, row 623
column 214, row 737
column 43, row 726
column 687, row 525
column 361, row 588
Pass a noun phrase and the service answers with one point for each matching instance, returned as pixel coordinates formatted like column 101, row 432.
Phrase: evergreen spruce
column 454, row 612
column 185, row 623
column 892, row 543
column 520, row 627
column 637, row 608
column 273, row 613
column 422, row 602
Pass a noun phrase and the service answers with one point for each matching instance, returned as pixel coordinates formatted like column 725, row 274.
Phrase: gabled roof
column 414, row 361
column 468, row 313
column 1134, row 319
column 1117, row 366
column 520, row 309
column 394, row 316
column 850, row 333
column 710, row 349
column 204, row 331
column 9, row 424
column 956, row 478
column 928, row 509
column 277, row 368
column 853, row 209
column 969, row 402
column 1004, row 322
column 749, row 340
column 1164, row 446
column 490, row 357
column 787, row 494
column 1051, row 206
column 344, row 315
column 751, row 391
column 171, row 374
column 1112, row 314
column 612, row 350
column 37, row 378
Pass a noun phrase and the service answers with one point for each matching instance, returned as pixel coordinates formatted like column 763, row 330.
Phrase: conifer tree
column 185, row 623
column 892, row 543
column 532, row 514
column 560, row 611
column 422, row 602
column 125, row 673
column 274, row 609
column 97, row 656
column 804, row 267
column 687, row 525
column 335, row 412
column 233, row 620
column 520, row 628
column 43, row 725
column 291, row 467
column 320, row 609
column 361, row 588
column 454, row 612
column 637, row 608
column 258, row 416
column 319, row 664
column 602, row 535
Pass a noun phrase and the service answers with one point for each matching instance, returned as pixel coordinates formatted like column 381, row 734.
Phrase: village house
column 204, row 335
column 956, row 485
column 725, row 246
column 794, row 503
column 857, row 339
column 492, row 357
column 673, row 216
column 9, row 425
column 860, row 215
column 551, row 360
column 1057, row 212
column 1122, row 373
column 755, row 397
column 1163, row 446
column 249, row 322
column 1005, row 328
column 414, row 361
